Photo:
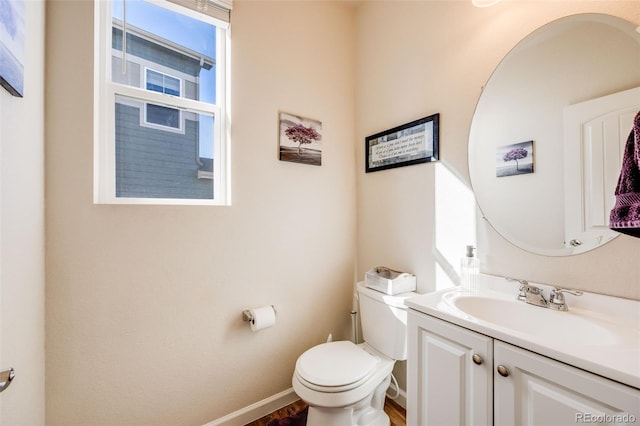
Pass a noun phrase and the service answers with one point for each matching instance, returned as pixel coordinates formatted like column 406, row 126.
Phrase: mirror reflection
column 547, row 136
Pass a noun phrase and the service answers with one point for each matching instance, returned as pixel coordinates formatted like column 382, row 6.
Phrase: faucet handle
column 560, row 290
column 522, row 290
column 556, row 298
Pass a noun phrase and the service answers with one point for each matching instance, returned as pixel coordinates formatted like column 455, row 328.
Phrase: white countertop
column 616, row 357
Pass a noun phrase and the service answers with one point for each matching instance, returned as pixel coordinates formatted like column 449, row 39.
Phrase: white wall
column 22, row 232
column 144, row 302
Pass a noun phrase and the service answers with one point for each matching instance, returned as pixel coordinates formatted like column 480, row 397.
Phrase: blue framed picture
column 12, row 46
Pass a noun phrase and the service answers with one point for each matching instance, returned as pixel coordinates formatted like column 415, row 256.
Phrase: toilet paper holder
column 248, row 317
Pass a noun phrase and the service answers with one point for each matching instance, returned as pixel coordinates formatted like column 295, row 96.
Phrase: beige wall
column 22, row 275
column 144, row 302
column 419, row 58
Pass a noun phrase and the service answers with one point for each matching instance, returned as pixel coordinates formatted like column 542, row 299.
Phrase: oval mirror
column 547, row 136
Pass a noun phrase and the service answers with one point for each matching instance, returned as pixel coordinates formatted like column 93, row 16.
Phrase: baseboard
column 401, row 400
column 255, row 411
column 269, row 405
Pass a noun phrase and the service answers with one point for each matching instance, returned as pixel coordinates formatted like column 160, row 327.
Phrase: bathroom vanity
column 482, row 357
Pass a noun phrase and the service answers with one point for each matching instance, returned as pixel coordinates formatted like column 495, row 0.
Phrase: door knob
column 6, row 377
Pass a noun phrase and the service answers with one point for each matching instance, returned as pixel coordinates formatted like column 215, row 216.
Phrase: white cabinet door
column 446, row 385
column 540, row 391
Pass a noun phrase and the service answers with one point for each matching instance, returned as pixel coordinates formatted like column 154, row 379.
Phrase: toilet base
column 367, row 412
column 333, row 417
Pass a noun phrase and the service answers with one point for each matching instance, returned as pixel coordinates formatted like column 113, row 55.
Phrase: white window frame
column 105, row 92
column 143, row 113
column 144, row 122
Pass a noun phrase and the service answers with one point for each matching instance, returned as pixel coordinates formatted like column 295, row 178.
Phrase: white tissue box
column 389, row 281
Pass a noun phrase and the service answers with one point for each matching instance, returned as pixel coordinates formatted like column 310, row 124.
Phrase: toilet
column 345, row 384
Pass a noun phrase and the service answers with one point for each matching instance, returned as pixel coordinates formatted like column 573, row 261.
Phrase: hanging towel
column 625, row 215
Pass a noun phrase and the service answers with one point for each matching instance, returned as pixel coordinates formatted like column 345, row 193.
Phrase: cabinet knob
column 477, row 359
column 503, row 371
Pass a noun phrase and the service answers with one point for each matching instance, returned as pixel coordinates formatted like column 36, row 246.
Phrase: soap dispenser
column 469, row 269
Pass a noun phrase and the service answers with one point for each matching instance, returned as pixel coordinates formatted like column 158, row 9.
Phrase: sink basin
column 567, row 327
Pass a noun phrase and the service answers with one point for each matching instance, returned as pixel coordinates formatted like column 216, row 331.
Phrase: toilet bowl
column 344, row 383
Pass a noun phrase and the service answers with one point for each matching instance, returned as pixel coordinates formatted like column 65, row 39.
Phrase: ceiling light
column 484, row 3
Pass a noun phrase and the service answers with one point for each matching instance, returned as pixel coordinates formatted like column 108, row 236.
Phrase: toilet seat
column 335, row 366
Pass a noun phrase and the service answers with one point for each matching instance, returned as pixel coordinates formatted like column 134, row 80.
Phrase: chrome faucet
column 556, row 299
column 534, row 296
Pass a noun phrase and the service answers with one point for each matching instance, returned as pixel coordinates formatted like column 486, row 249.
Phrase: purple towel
column 625, row 215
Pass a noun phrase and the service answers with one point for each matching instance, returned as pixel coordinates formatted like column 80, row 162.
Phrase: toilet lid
column 335, row 364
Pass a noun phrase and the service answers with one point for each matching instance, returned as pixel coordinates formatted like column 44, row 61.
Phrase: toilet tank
column 384, row 321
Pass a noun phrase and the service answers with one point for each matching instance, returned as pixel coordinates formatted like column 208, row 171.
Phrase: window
column 158, row 114
column 161, row 117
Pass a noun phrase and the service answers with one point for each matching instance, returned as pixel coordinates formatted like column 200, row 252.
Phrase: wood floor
column 397, row 414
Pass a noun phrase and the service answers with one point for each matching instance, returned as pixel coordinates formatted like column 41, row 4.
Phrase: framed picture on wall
column 412, row 143
column 514, row 159
column 12, row 46
column 300, row 139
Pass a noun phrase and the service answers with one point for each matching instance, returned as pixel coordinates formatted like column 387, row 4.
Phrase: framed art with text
column 412, row 143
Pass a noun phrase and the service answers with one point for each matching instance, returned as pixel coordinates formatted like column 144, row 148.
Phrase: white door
column 449, row 374
column 22, row 247
column 594, row 137
column 531, row 389
column 6, row 375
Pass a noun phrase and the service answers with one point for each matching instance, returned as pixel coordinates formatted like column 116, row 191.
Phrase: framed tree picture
column 514, row 159
column 300, row 139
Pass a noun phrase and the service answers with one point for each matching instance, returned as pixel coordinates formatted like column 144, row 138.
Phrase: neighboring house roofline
column 206, row 62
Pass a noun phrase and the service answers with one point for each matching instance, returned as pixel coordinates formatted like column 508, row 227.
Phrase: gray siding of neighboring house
column 154, row 163
column 132, row 77
column 150, row 162
column 154, row 53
